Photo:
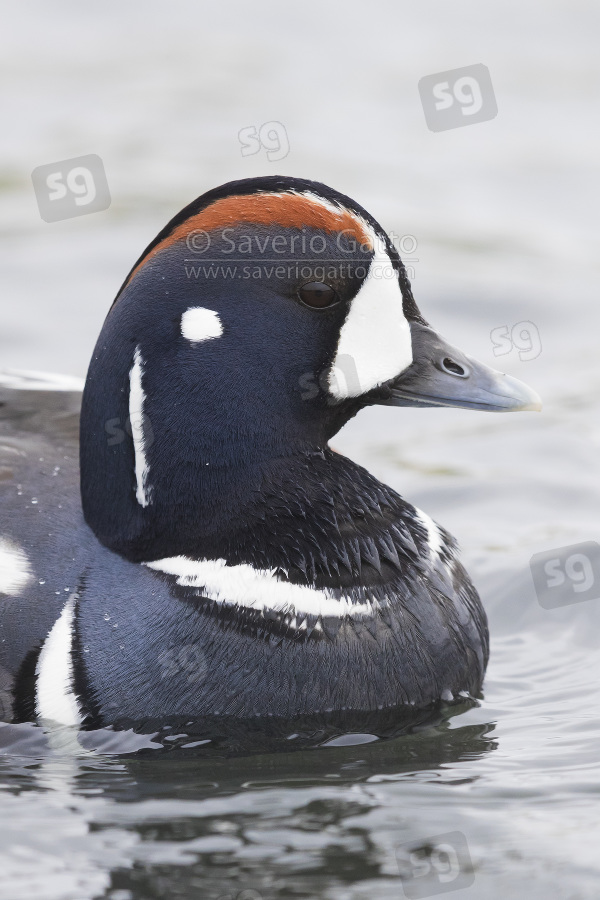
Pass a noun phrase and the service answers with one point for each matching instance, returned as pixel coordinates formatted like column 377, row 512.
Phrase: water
column 504, row 214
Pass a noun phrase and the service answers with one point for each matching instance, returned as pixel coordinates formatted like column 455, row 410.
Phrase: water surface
column 503, row 214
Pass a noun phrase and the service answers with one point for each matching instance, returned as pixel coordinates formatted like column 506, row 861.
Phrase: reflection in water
column 502, row 216
column 159, row 824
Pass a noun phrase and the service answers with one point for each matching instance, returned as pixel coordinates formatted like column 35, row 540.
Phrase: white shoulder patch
column 243, row 585
column 375, row 342
column 136, row 419
column 15, row 571
column 55, row 697
column 434, row 537
column 200, row 324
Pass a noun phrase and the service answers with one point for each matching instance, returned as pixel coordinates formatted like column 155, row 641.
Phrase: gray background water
column 505, row 217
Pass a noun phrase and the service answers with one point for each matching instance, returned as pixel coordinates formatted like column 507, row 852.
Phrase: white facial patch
column 375, row 342
column 55, row 698
column 15, row 572
column 136, row 419
column 200, row 324
column 259, row 589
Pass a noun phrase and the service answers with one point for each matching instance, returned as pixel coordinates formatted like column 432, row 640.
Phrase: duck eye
column 317, row 295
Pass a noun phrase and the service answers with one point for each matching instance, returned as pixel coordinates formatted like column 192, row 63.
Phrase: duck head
column 259, row 321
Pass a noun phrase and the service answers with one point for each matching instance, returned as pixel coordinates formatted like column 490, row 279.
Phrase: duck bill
column 442, row 375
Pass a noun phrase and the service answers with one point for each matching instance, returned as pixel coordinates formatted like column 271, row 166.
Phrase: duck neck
column 185, row 501
column 170, row 463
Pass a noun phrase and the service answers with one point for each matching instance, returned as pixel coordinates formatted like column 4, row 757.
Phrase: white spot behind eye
column 200, row 324
column 375, row 342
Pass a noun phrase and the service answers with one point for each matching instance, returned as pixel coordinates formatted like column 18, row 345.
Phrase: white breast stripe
column 136, row 419
column 55, row 697
column 200, row 324
column 15, row 572
column 375, row 342
column 434, row 538
column 244, row 585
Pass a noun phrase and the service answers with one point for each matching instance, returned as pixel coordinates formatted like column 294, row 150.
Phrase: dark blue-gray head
column 264, row 316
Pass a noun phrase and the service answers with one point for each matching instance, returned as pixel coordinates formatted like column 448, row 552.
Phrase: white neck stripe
column 55, row 697
column 243, row 585
column 136, row 419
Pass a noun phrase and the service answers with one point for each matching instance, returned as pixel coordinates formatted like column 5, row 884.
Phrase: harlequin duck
column 222, row 559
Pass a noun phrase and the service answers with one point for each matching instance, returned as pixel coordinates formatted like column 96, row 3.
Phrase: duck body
column 145, row 646
column 222, row 559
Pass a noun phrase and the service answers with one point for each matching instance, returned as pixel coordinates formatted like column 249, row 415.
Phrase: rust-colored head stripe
column 286, row 209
